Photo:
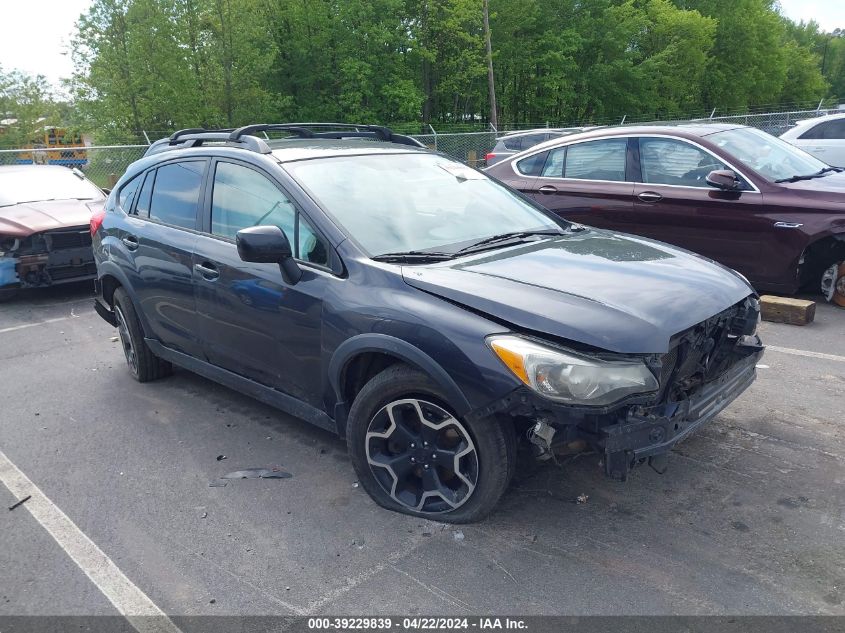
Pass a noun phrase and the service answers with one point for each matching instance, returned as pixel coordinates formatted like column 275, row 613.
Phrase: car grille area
column 56, row 257
column 709, row 349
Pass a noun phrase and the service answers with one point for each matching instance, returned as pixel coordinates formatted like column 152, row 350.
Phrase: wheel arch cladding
column 361, row 345
column 112, row 278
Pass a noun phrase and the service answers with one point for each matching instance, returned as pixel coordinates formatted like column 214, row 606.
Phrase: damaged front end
column 47, row 258
column 707, row 367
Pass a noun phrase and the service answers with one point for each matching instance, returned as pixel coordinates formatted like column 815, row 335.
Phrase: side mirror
column 268, row 245
column 723, row 179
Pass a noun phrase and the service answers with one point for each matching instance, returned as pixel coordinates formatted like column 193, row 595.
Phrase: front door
column 252, row 322
column 673, row 203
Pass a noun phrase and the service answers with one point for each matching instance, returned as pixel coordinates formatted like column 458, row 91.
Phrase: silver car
column 515, row 142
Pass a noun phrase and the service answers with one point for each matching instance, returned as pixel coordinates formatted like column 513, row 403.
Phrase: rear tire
column 414, row 456
column 143, row 364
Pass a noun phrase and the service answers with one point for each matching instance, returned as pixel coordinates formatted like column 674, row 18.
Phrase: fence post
column 712, row 113
column 433, row 131
column 622, row 122
column 144, row 132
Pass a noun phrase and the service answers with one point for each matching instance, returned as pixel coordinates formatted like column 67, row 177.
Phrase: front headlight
column 8, row 244
column 570, row 377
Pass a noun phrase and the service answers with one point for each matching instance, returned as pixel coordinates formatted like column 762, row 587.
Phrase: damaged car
column 434, row 318
column 45, row 214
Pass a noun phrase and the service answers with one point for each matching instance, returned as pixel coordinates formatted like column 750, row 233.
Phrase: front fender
column 384, row 343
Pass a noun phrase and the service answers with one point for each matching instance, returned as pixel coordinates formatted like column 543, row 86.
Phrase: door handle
column 788, row 225
column 131, row 242
column 650, row 196
column 208, row 271
column 548, row 189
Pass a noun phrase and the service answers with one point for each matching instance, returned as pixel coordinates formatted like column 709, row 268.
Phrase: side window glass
column 176, row 193
column 597, row 160
column 513, row 143
column 142, row 207
column 554, row 166
column 836, row 130
column 309, row 246
column 530, row 140
column 242, row 197
column 127, row 192
column 672, row 162
column 533, row 165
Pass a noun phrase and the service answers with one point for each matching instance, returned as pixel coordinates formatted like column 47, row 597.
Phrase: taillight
column 97, row 221
column 489, row 156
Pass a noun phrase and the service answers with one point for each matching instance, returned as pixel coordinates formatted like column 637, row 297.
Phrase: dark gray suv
column 431, row 316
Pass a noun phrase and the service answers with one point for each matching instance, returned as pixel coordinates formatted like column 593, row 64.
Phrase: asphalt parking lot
column 749, row 518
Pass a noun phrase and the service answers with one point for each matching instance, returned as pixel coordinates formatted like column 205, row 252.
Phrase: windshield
column 37, row 185
column 771, row 157
column 393, row 203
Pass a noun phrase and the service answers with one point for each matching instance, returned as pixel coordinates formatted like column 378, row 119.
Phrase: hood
column 24, row 219
column 830, row 188
column 615, row 292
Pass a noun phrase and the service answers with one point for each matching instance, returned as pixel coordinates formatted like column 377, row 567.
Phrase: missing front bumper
column 654, row 434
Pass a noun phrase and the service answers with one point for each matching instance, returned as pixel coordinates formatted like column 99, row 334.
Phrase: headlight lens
column 8, row 244
column 570, row 377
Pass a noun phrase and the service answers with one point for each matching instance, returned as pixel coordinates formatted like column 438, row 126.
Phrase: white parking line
column 801, row 352
column 26, row 325
column 130, row 601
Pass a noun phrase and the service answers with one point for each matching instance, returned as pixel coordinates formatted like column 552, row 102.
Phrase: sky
column 35, row 34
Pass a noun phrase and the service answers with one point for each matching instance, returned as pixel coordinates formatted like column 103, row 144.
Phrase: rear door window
column 176, row 193
column 142, row 207
column 597, row 160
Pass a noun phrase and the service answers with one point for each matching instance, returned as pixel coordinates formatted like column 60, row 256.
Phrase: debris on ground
column 581, row 499
column 220, row 458
column 259, row 473
column 355, row 485
column 114, row 339
column 212, row 601
column 426, row 533
column 458, row 536
column 204, row 515
column 21, row 502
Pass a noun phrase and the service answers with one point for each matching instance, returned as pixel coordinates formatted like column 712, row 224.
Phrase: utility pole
column 491, row 86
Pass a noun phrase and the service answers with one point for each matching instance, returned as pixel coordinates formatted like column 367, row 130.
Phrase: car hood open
column 26, row 218
column 615, row 292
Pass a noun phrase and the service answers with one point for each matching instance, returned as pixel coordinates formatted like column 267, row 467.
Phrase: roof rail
column 335, row 130
column 195, row 137
column 245, row 136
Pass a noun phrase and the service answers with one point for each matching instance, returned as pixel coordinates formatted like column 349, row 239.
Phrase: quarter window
column 242, row 197
column 176, row 193
column 533, row 165
column 554, row 166
column 671, row 162
column 597, row 160
column 124, row 199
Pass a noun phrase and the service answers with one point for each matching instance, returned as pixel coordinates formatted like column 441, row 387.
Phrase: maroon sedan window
column 667, row 161
column 597, row 160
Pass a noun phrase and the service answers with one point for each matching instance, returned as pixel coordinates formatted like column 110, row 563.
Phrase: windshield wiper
column 505, row 237
column 412, row 257
column 818, row 174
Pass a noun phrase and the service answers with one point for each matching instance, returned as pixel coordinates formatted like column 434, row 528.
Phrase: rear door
column 585, row 182
column 673, row 203
column 252, row 322
column 158, row 241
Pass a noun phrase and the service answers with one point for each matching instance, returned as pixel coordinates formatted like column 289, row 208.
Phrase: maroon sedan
column 45, row 211
column 732, row 193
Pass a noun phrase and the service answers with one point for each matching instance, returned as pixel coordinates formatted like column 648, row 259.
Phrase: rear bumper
column 653, row 434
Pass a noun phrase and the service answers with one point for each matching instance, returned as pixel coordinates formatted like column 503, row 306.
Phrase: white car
column 823, row 137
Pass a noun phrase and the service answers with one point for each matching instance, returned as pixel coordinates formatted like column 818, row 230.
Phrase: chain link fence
column 105, row 164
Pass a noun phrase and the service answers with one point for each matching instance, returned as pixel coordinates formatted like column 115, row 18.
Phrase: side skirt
column 267, row 395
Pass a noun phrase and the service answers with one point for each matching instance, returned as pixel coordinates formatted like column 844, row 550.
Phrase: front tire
column 413, row 455
column 143, row 364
